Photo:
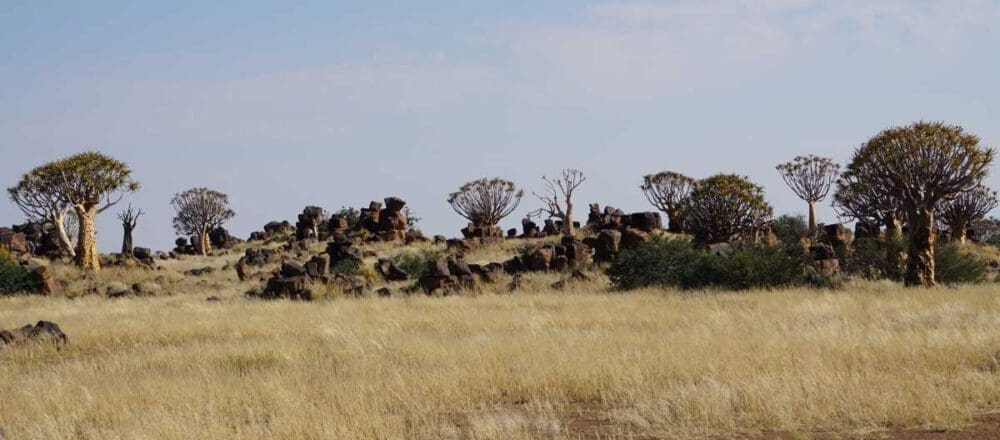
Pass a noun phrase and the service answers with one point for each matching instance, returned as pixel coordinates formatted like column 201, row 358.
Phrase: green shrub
column 678, row 263
column 658, row 262
column 415, row 263
column 790, row 229
column 877, row 258
column 347, row 266
column 13, row 277
column 954, row 265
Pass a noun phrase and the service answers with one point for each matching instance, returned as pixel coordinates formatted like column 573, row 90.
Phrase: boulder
column 297, row 287
column 318, row 266
column 46, row 282
column 142, row 253
column 390, row 271
column 608, row 243
column 291, row 269
column 632, row 238
column 540, row 258
column 43, row 331
column 645, row 221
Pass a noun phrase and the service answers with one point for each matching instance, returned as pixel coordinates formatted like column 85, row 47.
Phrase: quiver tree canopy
column 667, row 191
column 485, row 202
column 726, row 207
column 810, row 178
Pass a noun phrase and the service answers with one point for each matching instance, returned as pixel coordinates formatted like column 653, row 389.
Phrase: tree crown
column 809, row 177
column 667, row 190
column 725, row 207
column 200, row 209
column 486, row 201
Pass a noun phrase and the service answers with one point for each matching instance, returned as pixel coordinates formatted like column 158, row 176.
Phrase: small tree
column 129, row 219
column 725, row 207
column 667, row 191
column 810, row 178
column 199, row 211
column 921, row 165
column 485, row 202
column 857, row 199
column 91, row 183
column 558, row 198
column 969, row 206
column 38, row 198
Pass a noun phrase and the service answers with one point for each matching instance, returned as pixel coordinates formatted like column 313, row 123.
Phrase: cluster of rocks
column 833, row 246
column 43, row 331
column 384, row 224
column 529, row 229
column 255, row 258
column 569, row 254
column 274, row 231
column 33, row 239
column 452, row 274
column 295, row 280
column 219, row 238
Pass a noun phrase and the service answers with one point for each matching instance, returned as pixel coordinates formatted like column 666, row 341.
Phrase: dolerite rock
column 46, row 282
column 438, row 277
column 197, row 272
column 440, row 239
column 43, row 331
column 221, row 239
column 288, row 287
column 609, row 218
column 459, row 245
column 318, row 266
column 141, row 253
column 514, row 265
column 458, row 268
column 415, row 236
column 828, row 267
column 822, row 251
column 309, row 222
column 16, row 242
column 340, row 250
column 384, row 292
column 389, row 270
column 608, row 244
column 529, row 228
column 645, row 221
column 577, row 253
column 540, row 258
column 632, row 238
column 291, row 269
column 560, row 263
column 512, row 233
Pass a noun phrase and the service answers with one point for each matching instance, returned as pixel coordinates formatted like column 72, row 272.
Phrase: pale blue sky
column 338, row 103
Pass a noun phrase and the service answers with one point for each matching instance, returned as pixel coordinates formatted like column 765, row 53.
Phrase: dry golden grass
column 531, row 365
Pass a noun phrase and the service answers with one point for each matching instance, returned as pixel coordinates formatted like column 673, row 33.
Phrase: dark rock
column 390, row 271
column 608, row 243
column 290, row 269
column 645, row 221
column 633, row 238
column 318, row 266
column 46, row 282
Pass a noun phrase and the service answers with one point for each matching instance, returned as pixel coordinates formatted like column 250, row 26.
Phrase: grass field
column 574, row 364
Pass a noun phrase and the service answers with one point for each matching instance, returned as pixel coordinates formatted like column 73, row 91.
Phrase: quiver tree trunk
column 126, row 240
column 960, row 232
column 64, row 240
column 204, row 242
column 86, row 245
column 568, row 219
column 813, row 225
column 920, row 253
column 674, row 222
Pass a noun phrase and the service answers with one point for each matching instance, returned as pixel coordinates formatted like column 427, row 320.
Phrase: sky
column 335, row 103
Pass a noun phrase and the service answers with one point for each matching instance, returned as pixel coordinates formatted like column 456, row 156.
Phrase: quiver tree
column 557, row 199
column 37, row 195
column 810, row 178
column 922, row 165
column 199, row 211
column 129, row 218
column 91, row 183
column 960, row 212
column 667, row 191
column 857, row 199
column 485, row 202
column 725, row 207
